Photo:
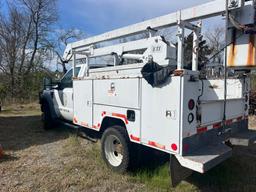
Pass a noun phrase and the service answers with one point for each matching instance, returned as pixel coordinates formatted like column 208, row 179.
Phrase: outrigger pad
column 178, row 173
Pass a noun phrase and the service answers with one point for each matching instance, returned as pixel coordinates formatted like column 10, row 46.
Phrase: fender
column 105, row 122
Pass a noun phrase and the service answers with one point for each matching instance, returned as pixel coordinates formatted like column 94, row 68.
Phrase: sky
column 97, row 16
column 93, row 17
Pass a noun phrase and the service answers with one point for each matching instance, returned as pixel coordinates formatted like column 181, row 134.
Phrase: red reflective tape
column 75, row 120
column 103, row 113
column 157, row 145
column 94, row 127
column 99, row 125
column 121, row 116
column 134, row 138
column 201, row 129
column 229, row 122
column 216, row 125
column 84, row 124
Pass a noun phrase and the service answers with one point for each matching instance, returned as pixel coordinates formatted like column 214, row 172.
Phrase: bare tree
column 60, row 40
column 42, row 14
column 215, row 40
column 10, row 34
column 22, row 35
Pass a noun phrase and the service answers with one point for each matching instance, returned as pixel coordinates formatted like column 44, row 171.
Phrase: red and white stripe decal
column 84, row 124
column 75, row 120
column 157, row 145
column 96, row 126
column 134, row 138
column 219, row 124
column 103, row 113
column 201, row 129
column 229, row 122
column 121, row 116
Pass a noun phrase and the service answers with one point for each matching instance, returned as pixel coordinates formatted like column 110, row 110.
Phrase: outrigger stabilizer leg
column 178, row 173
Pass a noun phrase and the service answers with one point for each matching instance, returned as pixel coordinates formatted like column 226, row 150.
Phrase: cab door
column 64, row 95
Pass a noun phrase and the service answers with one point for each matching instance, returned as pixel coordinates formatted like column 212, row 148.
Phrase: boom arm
column 206, row 10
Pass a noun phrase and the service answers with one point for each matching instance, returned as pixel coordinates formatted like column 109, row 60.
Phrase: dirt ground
column 57, row 160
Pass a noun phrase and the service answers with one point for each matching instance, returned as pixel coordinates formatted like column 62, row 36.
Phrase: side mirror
column 56, row 84
column 49, row 83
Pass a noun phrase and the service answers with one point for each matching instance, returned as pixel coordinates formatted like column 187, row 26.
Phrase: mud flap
column 178, row 173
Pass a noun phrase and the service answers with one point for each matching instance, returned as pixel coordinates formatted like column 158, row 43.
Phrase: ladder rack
column 207, row 10
column 182, row 19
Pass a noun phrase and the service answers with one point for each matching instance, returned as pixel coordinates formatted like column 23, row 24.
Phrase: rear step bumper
column 244, row 138
column 211, row 154
column 206, row 157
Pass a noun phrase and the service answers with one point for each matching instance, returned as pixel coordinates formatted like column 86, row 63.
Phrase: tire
column 48, row 122
column 116, row 149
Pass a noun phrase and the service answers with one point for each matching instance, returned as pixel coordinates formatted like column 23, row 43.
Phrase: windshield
column 66, row 81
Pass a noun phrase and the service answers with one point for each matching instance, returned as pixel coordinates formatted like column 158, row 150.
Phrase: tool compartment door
column 83, row 102
column 212, row 100
column 161, row 115
column 117, row 92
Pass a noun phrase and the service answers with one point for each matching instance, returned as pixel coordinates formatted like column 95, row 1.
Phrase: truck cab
column 57, row 96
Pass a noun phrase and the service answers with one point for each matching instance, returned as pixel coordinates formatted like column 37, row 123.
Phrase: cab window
column 66, row 81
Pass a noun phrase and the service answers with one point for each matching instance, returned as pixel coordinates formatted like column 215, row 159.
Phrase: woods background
column 30, row 47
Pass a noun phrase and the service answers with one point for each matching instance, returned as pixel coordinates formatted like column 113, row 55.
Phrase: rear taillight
column 174, row 147
column 191, row 104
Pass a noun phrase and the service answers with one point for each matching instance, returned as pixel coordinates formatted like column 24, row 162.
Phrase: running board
column 245, row 138
column 205, row 158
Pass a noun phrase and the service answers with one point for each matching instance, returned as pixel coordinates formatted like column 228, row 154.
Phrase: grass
column 154, row 178
column 20, row 109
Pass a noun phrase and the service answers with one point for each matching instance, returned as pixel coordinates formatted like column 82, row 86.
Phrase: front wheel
column 48, row 122
column 115, row 149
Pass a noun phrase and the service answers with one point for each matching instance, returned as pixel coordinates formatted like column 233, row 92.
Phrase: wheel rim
column 113, row 150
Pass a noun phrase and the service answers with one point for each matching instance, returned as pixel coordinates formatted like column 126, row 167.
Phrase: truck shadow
column 21, row 132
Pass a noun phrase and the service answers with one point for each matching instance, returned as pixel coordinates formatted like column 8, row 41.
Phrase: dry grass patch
column 20, row 109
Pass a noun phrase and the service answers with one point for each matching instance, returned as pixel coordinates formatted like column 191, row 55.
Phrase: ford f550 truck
column 143, row 95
